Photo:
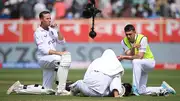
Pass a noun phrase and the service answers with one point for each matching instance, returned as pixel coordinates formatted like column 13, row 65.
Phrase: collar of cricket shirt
column 42, row 29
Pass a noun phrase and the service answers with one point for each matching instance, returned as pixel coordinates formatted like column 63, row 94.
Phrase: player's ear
column 41, row 19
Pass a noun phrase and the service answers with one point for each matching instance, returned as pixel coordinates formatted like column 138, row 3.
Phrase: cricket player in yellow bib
column 136, row 48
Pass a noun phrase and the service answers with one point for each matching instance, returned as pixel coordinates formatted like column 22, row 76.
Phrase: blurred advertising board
column 109, row 30
column 17, row 55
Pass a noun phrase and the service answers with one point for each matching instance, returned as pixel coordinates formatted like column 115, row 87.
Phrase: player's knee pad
column 66, row 60
column 56, row 63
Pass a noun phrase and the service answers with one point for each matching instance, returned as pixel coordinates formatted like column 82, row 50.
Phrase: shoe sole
column 136, row 94
column 10, row 90
column 166, row 85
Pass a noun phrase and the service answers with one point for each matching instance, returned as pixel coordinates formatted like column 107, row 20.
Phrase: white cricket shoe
column 135, row 91
column 63, row 93
column 11, row 89
column 163, row 92
column 168, row 87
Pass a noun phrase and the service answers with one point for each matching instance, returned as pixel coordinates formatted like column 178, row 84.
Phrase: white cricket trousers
column 141, row 67
column 99, row 84
column 48, row 66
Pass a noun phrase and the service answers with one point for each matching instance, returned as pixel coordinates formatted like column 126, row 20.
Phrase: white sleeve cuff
column 143, row 45
column 125, row 48
column 142, row 50
column 46, row 51
column 61, row 41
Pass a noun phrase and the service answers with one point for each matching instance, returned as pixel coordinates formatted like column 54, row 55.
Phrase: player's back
column 109, row 64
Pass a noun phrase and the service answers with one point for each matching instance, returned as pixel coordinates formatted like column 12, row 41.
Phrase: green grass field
column 31, row 76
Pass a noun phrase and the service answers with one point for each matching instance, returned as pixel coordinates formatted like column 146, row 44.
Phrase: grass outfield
column 31, row 76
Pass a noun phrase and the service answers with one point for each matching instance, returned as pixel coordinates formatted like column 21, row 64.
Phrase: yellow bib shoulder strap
column 139, row 38
column 126, row 42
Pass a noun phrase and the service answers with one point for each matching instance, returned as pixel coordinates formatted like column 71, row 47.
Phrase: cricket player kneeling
column 52, row 61
column 102, row 77
column 61, row 67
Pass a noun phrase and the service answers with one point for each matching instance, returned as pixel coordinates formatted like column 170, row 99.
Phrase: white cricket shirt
column 46, row 40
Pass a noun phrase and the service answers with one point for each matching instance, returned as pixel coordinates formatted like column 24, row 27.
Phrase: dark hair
column 128, row 89
column 129, row 27
column 68, row 83
column 41, row 15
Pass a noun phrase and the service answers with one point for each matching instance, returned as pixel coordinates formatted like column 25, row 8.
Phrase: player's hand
column 136, row 45
column 65, row 52
column 120, row 57
column 56, row 27
column 53, row 25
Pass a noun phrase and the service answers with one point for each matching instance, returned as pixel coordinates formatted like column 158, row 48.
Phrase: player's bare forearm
column 53, row 52
column 130, row 52
column 55, row 26
column 60, row 36
column 133, row 51
column 131, row 57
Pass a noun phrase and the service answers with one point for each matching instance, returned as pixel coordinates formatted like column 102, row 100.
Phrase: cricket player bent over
column 53, row 62
column 136, row 48
column 102, row 77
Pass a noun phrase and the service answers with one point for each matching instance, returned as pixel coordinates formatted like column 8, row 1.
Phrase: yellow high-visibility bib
column 147, row 55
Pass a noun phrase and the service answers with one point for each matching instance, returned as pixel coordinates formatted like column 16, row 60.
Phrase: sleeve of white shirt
column 41, row 44
column 144, row 44
column 61, row 41
column 56, row 34
column 125, row 48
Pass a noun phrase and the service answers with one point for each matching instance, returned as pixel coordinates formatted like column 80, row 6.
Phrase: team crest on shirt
column 45, row 35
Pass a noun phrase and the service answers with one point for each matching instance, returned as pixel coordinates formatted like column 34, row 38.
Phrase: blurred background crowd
column 70, row 9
